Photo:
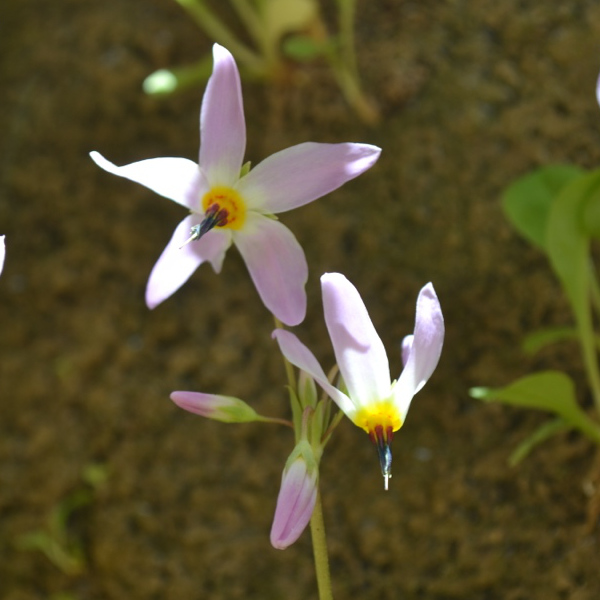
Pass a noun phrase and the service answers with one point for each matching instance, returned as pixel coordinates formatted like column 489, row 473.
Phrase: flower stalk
column 321, row 556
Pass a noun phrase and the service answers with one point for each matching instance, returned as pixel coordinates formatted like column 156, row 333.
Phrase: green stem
column 334, row 423
column 347, row 11
column 250, row 18
column 344, row 65
column 586, row 425
column 354, row 95
column 289, row 369
column 275, row 420
column 317, row 530
column 216, row 29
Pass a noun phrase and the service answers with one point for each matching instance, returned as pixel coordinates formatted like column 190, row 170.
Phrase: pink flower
column 297, row 496
column 230, row 204
column 2, row 252
column 373, row 402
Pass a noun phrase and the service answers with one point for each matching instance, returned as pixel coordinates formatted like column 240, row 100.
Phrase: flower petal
column 300, row 174
column 407, row 343
column 176, row 264
column 277, row 265
column 358, row 349
column 295, row 504
column 300, row 356
column 222, row 124
column 425, row 349
column 177, row 179
column 2, row 252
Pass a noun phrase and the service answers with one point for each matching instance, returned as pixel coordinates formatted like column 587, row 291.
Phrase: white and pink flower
column 230, row 204
column 374, row 402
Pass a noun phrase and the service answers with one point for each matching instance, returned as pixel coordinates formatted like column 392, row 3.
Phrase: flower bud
column 307, row 390
column 220, row 408
column 297, row 496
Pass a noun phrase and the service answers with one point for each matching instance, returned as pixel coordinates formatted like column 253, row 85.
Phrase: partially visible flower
column 230, row 204
column 2, row 252
column 219, row 408
column 297, row 496
column 374, row 402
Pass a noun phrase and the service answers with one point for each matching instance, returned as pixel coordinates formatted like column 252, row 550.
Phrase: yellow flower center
column 381, row 415
column 227, row 204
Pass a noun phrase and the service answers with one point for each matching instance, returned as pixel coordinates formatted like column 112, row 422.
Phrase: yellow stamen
column 229, row 201
column 378, row 414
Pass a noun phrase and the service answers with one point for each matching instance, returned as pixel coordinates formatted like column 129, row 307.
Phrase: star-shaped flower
column 373, row 402
column 230, row 204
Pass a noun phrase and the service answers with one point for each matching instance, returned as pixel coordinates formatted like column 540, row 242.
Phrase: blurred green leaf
column 590, row 218
column 539, row 435
column 568, row 246
column 302, row 48
column 95, row 474
column 68, row 559
column 535, row 341
column 567, row 242
column 551, row 391
column 527, row 201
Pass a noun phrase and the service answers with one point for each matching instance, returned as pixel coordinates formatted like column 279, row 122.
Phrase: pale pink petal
column 425, row 350
column 300, row 174
column 406, row 346
column 302, row 358
column 277, row 265
column 2, row 252
column 222, row 124
column 177, row 179
column 212, row 406
column 295, row 504
column 176, row 264
column 358, row 349
column 205, row 405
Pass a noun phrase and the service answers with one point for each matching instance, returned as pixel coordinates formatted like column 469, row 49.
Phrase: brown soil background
column 472, row 95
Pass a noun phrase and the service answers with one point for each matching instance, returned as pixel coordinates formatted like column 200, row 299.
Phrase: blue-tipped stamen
column 215, row 216
column 382, row 438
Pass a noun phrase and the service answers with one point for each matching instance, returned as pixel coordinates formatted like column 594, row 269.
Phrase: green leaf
column 539, row 435
column 568, row 246
column 535, row 341
column 567, row 242
column 551, row 391
column 527, row 201
column 590, row 218
column 302, row 48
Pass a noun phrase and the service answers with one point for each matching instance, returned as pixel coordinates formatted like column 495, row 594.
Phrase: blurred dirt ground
column 472, row 94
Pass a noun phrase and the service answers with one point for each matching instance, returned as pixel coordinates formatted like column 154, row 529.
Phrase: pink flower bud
column 220, row 408
column 297, row 497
